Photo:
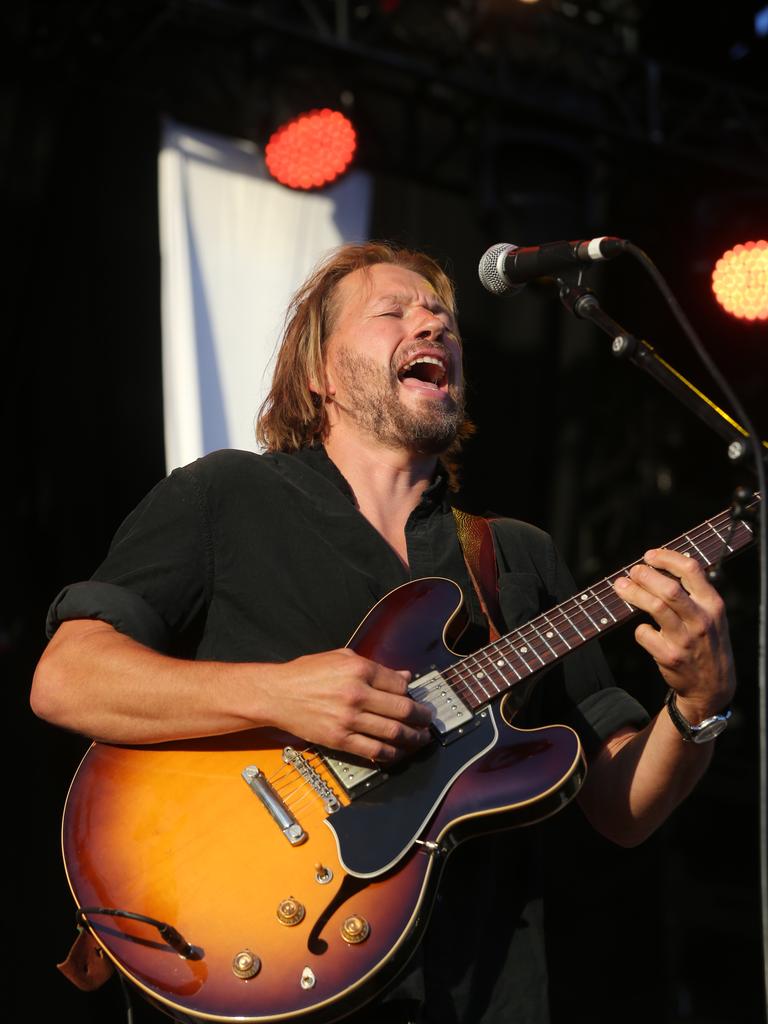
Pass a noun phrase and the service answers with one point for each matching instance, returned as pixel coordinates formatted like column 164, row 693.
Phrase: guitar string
column 698, row 542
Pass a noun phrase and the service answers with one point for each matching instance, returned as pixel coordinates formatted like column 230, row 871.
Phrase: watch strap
column 704, row 731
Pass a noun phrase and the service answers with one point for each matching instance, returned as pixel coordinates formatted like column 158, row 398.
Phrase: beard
column 374, row 402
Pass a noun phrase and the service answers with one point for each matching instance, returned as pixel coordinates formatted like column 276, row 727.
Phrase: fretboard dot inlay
column 500, row 664
column 524, row 650
column 604, row 621
column 550, row 635
column 480, row 675
column 583, row 597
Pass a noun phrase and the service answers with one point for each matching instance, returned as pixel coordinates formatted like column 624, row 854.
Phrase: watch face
column 709, row 729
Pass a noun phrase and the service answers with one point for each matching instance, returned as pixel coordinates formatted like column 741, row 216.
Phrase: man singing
column 228, row 594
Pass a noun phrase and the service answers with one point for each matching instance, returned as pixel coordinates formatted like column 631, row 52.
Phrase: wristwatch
column 705, row 731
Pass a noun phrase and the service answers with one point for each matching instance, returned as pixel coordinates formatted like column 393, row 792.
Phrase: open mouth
column 430, row 372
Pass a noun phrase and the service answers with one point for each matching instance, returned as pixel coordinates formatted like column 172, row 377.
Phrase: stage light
column 740, row 280
column 312, row 150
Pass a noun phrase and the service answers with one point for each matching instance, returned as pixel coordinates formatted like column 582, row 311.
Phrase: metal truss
column 479, row 74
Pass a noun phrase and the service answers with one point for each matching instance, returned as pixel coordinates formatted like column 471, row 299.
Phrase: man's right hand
column 99, row 682
column 348, row 703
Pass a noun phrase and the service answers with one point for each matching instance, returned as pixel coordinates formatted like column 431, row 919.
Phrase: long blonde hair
column 294, row 416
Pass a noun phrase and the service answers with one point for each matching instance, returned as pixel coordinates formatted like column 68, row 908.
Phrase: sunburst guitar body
column 313, row 875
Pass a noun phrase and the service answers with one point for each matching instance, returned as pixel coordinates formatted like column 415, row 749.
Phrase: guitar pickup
column 449, row 712
column 355, row 776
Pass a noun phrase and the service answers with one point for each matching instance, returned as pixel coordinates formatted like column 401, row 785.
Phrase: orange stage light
column 740, row 280
column 312, row 150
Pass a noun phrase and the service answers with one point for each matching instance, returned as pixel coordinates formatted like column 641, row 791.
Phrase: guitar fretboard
column 498, row 666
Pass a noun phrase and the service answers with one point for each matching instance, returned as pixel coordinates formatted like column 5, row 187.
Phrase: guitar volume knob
column 290, row 912
column 355, row 929
column 245, row 964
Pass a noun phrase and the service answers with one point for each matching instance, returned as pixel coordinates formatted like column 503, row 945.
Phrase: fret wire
column 698, row 549
column 565, row 614
column 576, row 606
column 489, row 666
column 555, row 631
column 541, row 637
column 500, row 653
column 462, row 686
column 521, row 646
column 561, row 627
column 594, row 593
column 466, row 684
column 703, row 535
column 478, row 678
column 589, row 625
column 490, row 653
column 509, row 640
column 559, row 633
column 582, row 605
column 707, row 545
column 738, row 526
column 470, row 683
column 722, row 539
column 459, row 691
column 528, row 642
column 532, row 630
column 708, row 539
column 725, row 524
column 613, row 603
column 482, row 673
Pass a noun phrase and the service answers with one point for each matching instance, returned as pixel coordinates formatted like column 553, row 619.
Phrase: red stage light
column 740, row 280
column 312, row 150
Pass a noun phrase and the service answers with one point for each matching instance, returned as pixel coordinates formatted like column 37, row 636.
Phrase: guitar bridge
column 260, row 785
column 300, row 763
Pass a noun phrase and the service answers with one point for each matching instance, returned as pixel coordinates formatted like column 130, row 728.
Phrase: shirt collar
column 316, row 458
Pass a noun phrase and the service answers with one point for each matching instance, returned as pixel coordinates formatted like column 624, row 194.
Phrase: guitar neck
column 500, row 665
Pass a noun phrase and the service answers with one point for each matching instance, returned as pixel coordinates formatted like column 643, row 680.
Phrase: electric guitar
column 251, row 878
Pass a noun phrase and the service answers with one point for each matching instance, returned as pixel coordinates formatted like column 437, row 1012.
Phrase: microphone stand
column 741, row 448
column 584, row 304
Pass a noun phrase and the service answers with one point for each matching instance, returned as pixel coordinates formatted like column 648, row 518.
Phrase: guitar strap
column 86, row 966
column 474, row 533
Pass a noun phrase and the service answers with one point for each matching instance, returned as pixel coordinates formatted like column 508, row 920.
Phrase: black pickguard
column 378, row 828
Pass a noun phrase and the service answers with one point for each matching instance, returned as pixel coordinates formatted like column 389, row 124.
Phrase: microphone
column 508, row 268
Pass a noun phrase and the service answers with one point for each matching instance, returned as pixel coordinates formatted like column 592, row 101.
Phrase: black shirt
column 240, row 557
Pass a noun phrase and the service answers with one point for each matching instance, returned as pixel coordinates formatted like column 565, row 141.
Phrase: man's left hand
column 691, row 645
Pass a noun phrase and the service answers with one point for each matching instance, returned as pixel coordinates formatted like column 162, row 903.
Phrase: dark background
column 480, row 122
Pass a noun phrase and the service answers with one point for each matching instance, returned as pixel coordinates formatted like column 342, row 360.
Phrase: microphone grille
column 491, row 272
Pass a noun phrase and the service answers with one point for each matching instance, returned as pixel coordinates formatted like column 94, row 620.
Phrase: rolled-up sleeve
column 154, row 585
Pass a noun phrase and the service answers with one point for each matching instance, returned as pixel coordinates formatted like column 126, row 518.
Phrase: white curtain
column 234, row 247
